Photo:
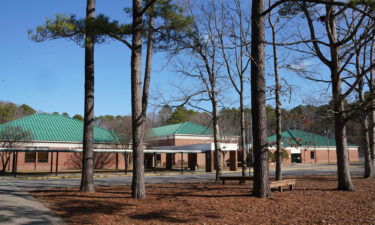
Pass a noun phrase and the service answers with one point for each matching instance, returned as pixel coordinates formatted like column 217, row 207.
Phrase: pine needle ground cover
column 314, row 201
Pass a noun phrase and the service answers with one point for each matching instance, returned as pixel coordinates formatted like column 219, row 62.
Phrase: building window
column 30, row 157
column 312, row 155
column 42, row 157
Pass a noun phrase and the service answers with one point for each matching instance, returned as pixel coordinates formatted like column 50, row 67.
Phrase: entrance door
column 296, row 158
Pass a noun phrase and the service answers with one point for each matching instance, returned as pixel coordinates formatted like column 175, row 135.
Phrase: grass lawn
column 314, row 201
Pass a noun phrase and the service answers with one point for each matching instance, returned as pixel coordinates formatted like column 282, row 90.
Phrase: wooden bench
column 241, row 179
column 281, row 183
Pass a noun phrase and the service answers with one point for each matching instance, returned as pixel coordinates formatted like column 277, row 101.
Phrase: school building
column 305, row 147
column 192, row 145
column 53, row 143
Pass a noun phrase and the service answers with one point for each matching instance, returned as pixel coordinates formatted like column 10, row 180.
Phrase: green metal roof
column 59, row 128
column 180, row 128
column 303, row 138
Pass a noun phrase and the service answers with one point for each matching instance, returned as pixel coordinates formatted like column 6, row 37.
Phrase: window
column 312, row 155
column 30, row 157
column 42, row 157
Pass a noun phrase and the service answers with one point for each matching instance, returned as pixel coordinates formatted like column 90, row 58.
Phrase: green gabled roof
column 180, row 128
column 303, row 138
column 59, row 128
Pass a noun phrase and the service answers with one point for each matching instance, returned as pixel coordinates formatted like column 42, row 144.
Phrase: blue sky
column 49, row 76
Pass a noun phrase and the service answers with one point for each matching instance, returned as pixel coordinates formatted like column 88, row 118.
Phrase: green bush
column 272, row 156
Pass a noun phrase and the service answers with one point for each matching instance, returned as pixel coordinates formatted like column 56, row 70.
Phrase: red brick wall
column 179, row 142
column 165, row 142
column 325, row 156
column 64, row 163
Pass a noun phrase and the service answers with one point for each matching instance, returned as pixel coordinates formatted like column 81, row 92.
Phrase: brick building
column 305, row 147
column 193, row 146
column 53, row 142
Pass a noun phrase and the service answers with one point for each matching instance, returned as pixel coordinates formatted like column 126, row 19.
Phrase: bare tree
column 279, row 157
column 341, row 24
column 204, row 66
column 361, row 63
column 233, row 31
column 11, row 137
column 101, row 160
column 122, row 128
column 371, row 84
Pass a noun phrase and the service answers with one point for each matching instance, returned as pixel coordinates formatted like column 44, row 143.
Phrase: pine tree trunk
column 218, row 153
column 87, row 180
column 242, row 135
column 261, row 187
column 138, row 183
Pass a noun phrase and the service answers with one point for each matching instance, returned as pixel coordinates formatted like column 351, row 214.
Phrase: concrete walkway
column 17, row 207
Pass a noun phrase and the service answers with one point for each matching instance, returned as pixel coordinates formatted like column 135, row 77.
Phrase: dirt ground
column 314, row 201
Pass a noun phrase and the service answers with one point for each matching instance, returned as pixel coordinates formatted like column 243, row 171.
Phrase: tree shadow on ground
column 76, row 194
column 33, row 216
column 90, row 197
column 315, row 189
column 199, row 191
column 161, row 215
column 87, row 196
column 315, row 178
column 204, row 187
column 72, row 208
column 54, row 191
column 193, row 194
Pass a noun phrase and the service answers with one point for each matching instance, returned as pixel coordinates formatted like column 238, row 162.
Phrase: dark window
column 30, row 157
column 42, row 157
column 312, row 155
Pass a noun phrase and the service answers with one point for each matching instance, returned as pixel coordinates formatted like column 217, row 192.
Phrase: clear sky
column 49, row 76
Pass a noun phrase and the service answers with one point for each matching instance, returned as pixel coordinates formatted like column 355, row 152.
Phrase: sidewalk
column 18, row 207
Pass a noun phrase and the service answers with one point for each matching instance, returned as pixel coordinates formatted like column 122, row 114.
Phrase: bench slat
column 281, row 183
